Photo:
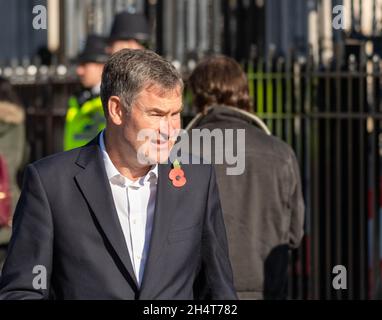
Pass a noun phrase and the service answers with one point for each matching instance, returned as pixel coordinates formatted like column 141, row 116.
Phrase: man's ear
column 115, row 109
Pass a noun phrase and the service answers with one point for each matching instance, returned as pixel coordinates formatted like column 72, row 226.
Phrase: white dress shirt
column 135, row 204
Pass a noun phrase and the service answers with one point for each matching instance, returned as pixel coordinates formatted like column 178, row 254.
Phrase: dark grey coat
column 263, row 208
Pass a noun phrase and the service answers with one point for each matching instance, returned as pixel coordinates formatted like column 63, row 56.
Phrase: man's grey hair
column 129, row 71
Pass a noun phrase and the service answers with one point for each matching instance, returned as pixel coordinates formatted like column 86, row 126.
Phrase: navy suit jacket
column 66, row 221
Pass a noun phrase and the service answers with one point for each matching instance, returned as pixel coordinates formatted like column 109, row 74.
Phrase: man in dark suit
column 111, row 221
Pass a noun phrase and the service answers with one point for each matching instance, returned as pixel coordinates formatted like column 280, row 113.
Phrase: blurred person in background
column 129, row 31
column 85, row 117
column 12, row 157
column 263, row 208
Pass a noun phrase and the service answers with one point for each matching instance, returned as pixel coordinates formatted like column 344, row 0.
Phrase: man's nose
column 168, row 127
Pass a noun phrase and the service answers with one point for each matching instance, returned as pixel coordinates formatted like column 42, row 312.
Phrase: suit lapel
column 165, row 207
column 95, row 188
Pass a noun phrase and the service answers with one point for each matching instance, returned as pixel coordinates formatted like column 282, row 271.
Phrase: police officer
column 84, row 118
column 129, row 31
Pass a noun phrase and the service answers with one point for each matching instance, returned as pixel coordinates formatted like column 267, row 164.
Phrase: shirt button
column 139, row 257
column 134, row 221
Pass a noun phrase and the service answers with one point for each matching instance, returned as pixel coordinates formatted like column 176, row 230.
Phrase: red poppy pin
column 176, row 175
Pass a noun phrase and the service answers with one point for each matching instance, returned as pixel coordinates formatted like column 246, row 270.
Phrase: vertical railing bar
column 297, row 126
column 327, row 190
column 307, row 176
column 363, row 209
column 338, row 197
column 289, row 79
column 279, row 96
column 269, row 89
column 350, row 152
column 316, row 209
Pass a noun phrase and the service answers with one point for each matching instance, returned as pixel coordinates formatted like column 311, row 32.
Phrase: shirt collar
column 116, row 177
column 96, row 89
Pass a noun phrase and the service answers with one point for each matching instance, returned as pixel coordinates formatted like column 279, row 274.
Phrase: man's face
column 118, row 45
column 90, row 74
column 153, row 124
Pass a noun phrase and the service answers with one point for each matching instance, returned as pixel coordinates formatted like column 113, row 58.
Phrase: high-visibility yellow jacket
column 83, row 121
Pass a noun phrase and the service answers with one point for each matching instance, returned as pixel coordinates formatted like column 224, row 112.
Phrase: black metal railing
column 332, row 118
